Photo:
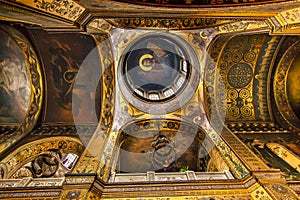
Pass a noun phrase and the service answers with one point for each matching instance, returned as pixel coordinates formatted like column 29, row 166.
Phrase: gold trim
column 286, row 22
column 67, row 9
column 29, row 151
column 286, row 155
column 280, row 92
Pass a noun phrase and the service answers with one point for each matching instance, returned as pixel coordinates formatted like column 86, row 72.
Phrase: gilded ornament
column 67, row 9
column 280, row 85
column 32, row 150
column 172, row 24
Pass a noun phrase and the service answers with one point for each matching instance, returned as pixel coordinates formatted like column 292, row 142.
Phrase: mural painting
column 14, row 81
column 63, row 55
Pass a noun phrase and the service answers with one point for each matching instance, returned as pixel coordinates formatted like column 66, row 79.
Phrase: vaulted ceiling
column 238, row 65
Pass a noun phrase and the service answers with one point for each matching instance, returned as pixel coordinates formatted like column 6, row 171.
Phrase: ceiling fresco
column 161, row 71
column 14, row 81
column 63, row 55
column 159, row 152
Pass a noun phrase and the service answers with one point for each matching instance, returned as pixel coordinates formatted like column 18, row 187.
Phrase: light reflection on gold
column 293, row 90
column 289, row 157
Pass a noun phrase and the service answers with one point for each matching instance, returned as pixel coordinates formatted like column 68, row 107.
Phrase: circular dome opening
column 158, row 69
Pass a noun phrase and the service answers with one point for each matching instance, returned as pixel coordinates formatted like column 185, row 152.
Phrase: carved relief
column 43, row 159
column 52, row 163
column 45, row 165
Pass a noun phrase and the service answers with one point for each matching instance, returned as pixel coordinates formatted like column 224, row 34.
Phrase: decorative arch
column 286, row 89
column 30, row 151
column 148, row 137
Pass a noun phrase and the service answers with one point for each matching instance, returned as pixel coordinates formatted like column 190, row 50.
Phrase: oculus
column 158, row 73
column 155, row 68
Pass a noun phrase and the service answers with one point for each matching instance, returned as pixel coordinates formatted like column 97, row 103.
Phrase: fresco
column 63, row 54
column 161, row 152
column 14, row 81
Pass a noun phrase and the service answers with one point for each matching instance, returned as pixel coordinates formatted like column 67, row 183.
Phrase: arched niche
column 49, row 155
column 165, row 146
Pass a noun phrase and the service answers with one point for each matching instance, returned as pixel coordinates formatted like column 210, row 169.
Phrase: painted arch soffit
column 286, row 92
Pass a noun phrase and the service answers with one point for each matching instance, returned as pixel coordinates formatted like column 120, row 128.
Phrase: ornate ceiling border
column 282, row 16
column 193, row 4
column 222, row 26
column 280, row 92
column 286, row 22
column 67, row 9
